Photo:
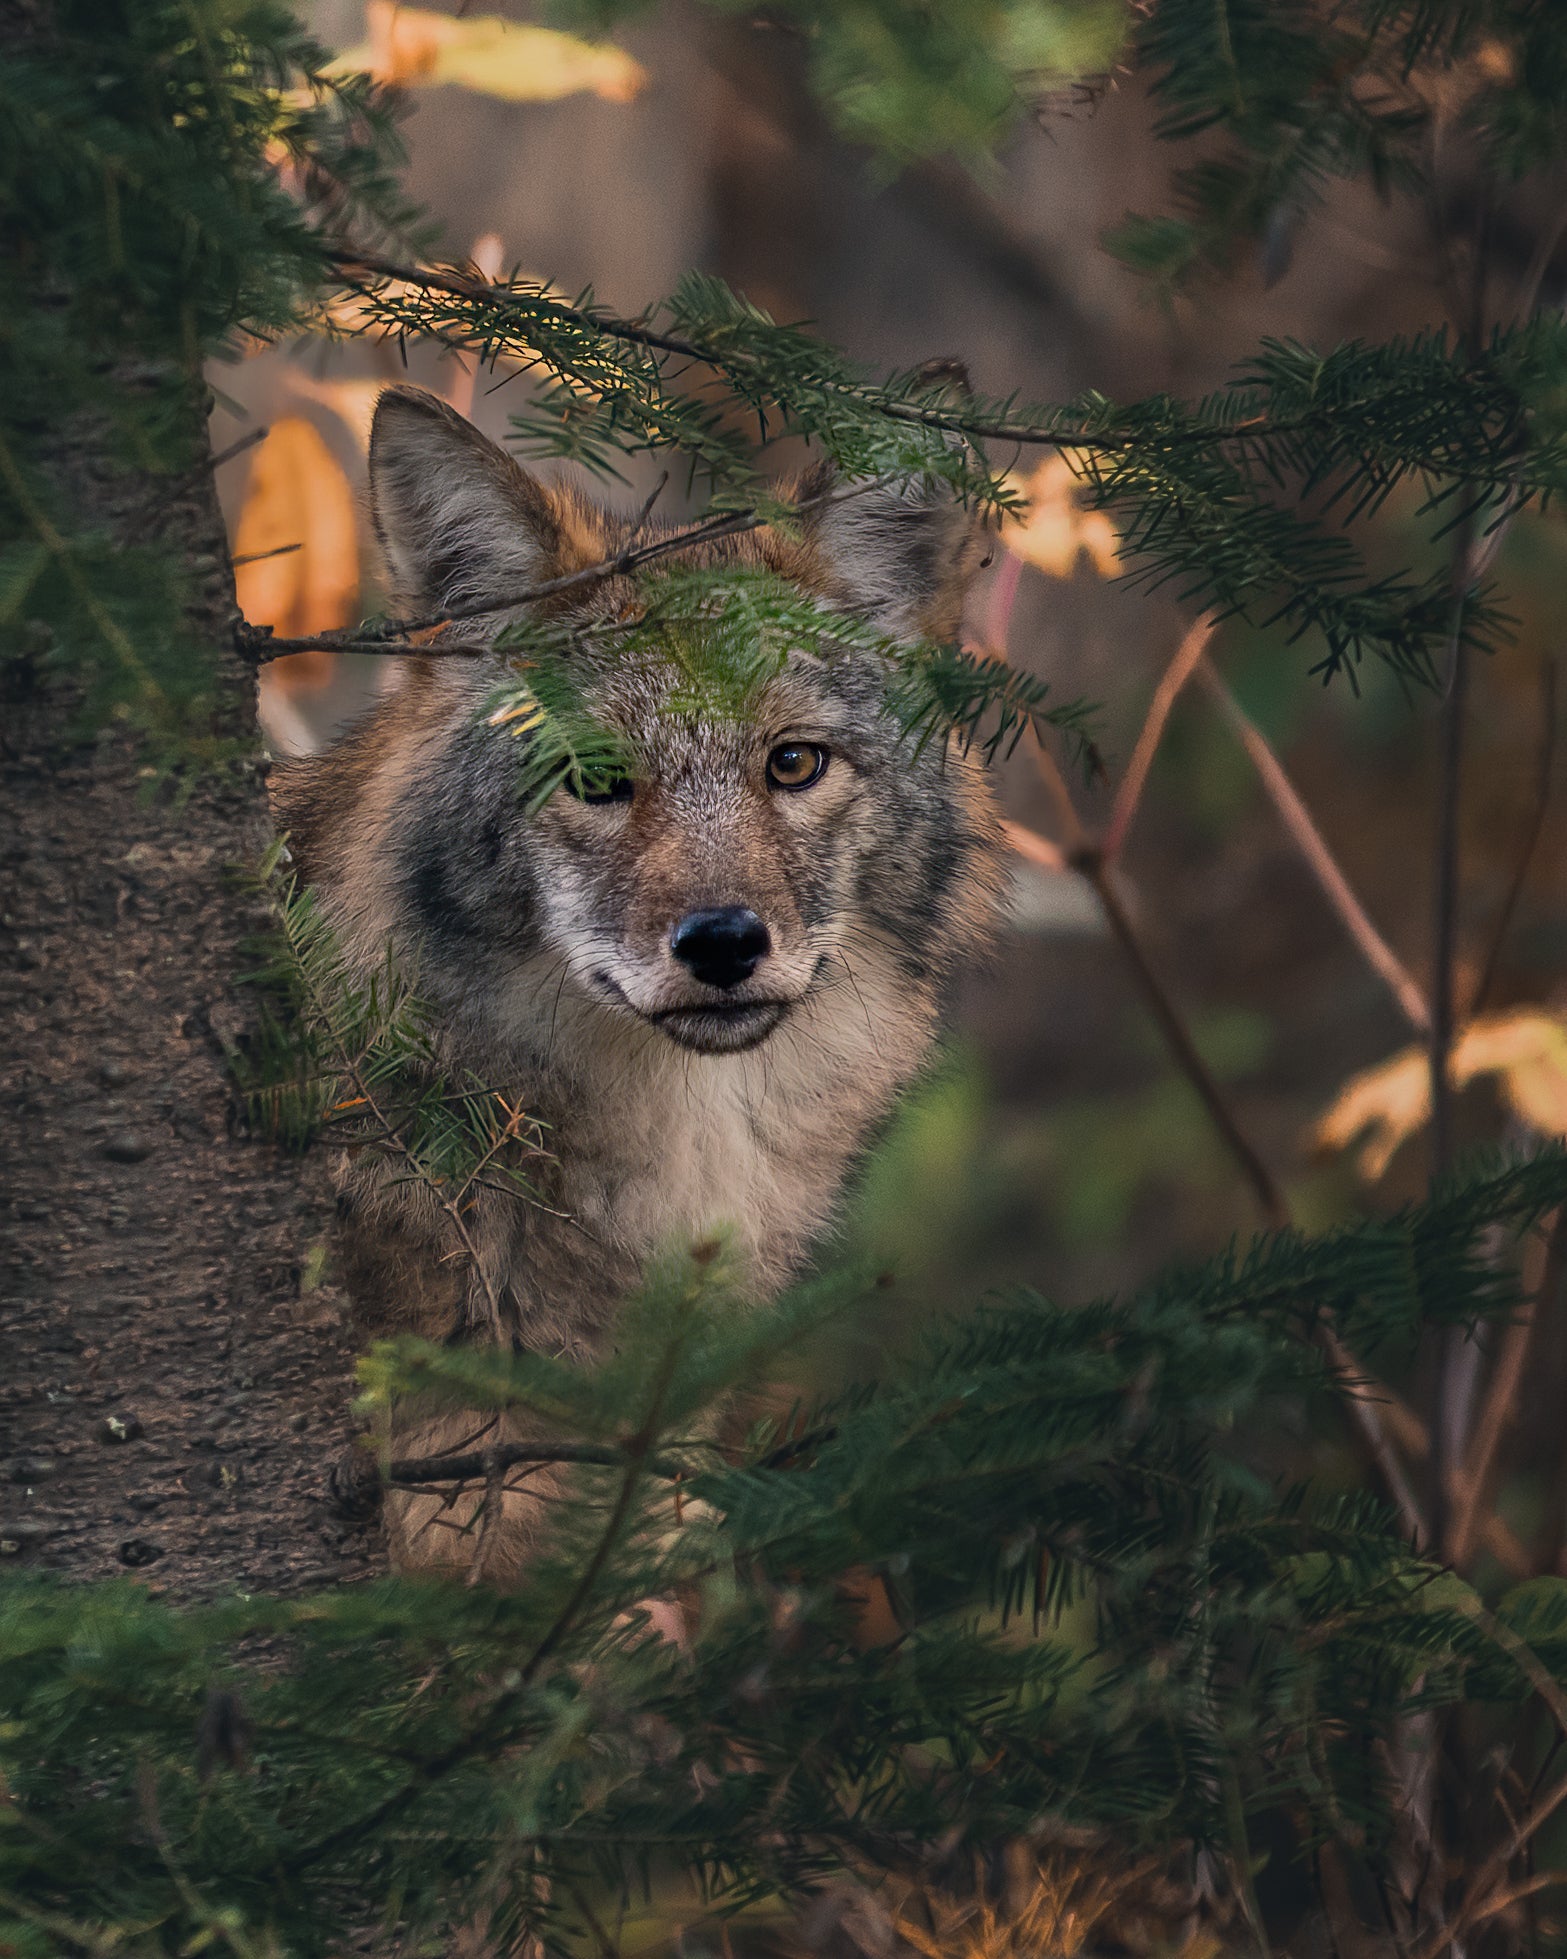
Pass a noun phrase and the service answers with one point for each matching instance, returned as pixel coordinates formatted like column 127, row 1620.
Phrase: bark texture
column 173, row 1385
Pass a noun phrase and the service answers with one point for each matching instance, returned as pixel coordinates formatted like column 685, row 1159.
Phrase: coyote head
column 744, row 866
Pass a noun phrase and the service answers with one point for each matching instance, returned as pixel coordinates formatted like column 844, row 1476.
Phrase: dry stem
column 1321, row 862
column 1188, row 656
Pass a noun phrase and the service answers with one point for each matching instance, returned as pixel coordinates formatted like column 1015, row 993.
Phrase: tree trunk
column 174, row 1376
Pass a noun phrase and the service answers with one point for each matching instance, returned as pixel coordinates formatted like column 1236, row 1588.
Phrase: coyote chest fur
column 711, row 979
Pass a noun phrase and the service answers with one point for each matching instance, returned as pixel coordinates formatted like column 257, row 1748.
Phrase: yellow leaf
column 297, row 495
column 1385, row 1106
column 1057, row 531
column 517, row 62
column 1526, row 1051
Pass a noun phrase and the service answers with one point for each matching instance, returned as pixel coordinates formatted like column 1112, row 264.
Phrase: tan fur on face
column 543, row 942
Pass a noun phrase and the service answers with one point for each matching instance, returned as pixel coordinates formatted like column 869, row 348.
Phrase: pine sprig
column 1243, row 501
column 436, row 1752
column 353, row 1062
column 725, row 632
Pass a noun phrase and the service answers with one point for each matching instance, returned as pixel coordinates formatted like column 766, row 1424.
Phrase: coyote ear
column 458, row 522
column 902, row 556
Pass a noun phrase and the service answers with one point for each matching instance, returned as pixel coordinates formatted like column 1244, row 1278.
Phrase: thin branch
column 638, row 1450
column 1188, row 657
column 355, row 1072
column 260, row 557
column 1483, row 1897
column 1085, row 856
column 1324, row 866
column 236, row 448
column 1037, row 849
column 1270, row 1198
column 638, row 333
column 467, row 1465
column 1364, row 1397
column 1531, row 837
column 1497, row 1411
column 1414, row 1438
column 1367, row 1401
column 1444, row 936
column 489, row 1523
column 394, row 635
column 639, row 522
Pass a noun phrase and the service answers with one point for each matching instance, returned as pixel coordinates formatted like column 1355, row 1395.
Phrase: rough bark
column 155, row 1263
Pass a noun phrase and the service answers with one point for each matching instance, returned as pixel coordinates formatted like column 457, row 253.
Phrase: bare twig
column 1465, row 571
column 1372, row 1408
column 1324, row 866
column 1531, row 836
column 465, row 1466
column 1037, row 849
column 1188, row 656
column 1270, row 1199
column 1414, row 1439
column 1365, row 1397
column 1087, row 858
column 1499, row 1407
column 639, row 522
column 237, row 448
column 1444, row 936
column 1484, row 1896
column 638, row 1450
column 394, row 636
column 260, row 557
column 494, row 1490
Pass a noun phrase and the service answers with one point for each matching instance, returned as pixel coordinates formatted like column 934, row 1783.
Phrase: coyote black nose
column 720, row 947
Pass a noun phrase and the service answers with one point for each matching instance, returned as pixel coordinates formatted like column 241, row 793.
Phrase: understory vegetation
column 1200, row 1616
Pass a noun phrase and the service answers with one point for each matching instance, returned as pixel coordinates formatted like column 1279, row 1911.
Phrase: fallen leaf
column 412, row 46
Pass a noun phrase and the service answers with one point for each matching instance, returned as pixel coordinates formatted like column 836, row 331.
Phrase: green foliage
column 1116, row 1615
column 1244, row 501
column 279, row 1774
column 725, row 633
column 169, row 178
column 916, row 81
column 354, row 1062
column 1305, row 95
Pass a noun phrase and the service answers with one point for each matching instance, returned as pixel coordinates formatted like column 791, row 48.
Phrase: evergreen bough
column 1117, row 1614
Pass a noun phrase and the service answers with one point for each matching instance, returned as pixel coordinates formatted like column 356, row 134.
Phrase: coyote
column 710, row 983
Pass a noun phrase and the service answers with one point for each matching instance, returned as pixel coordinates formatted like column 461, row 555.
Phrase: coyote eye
column 796, row 764
column 612, row 789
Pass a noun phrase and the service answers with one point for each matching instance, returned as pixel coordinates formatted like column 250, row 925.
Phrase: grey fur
column 542, row 941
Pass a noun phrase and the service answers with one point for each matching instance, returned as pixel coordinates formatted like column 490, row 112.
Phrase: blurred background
column 1057, row 1145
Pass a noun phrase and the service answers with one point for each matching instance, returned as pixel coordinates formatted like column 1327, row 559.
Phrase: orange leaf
column 297, row 496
